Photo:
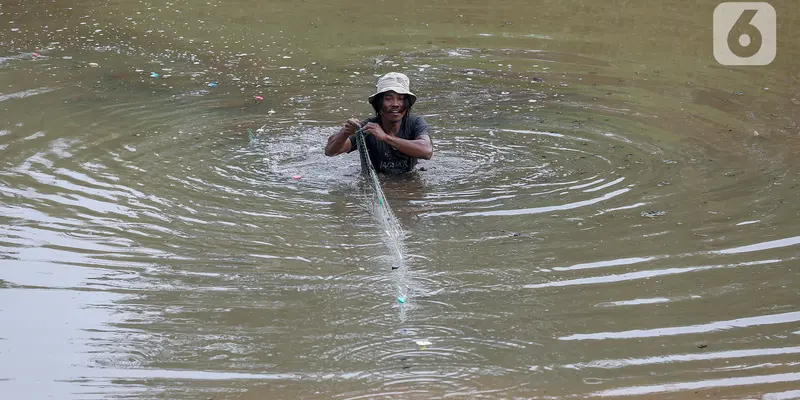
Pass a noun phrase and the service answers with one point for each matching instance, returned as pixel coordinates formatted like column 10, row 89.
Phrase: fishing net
column 393, row 233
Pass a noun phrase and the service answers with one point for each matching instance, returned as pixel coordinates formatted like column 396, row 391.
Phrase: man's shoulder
column 414, row 119
column 418, row 125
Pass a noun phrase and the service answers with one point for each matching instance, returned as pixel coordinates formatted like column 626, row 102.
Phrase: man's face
column 393, row 108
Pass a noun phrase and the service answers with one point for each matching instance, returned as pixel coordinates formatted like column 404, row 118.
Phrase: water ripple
column 773, row 319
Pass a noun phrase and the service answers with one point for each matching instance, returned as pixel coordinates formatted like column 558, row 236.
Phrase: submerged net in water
column 384, row 217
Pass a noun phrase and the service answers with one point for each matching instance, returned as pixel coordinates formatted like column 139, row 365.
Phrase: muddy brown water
column 609, row 212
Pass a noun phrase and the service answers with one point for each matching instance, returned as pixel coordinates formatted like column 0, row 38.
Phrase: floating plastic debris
column 154, row 75
column 94, row 64
column 212, row 84
column 259, row 98
column 423, row 342
column 401, row 300
column 296, row 177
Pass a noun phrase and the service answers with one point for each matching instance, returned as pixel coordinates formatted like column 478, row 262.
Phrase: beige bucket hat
column 395, row 82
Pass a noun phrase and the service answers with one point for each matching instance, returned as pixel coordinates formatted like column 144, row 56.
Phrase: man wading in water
column 395, row 140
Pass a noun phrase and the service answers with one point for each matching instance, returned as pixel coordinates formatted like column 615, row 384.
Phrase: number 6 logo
column 744, row 33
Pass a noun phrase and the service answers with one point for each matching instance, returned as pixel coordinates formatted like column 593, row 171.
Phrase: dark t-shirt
column 386, row 158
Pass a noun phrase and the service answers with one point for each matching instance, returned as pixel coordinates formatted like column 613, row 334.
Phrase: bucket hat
column 395, row 82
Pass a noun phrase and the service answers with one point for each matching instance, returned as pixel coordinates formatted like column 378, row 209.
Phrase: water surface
column 609, row 212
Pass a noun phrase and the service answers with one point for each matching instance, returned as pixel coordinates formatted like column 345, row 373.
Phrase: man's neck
column 391, row 128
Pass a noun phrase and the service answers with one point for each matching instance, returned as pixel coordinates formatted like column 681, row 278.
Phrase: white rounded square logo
column 745, row 33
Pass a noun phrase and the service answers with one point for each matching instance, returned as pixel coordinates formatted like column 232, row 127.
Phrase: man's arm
column 421, row 147
column 339, row 142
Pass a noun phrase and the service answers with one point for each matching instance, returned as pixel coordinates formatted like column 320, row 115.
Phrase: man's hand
column 376, row 130
column 351, row 126
column 338, row 142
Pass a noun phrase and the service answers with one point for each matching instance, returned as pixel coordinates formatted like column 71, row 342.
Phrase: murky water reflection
column 609, row 212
